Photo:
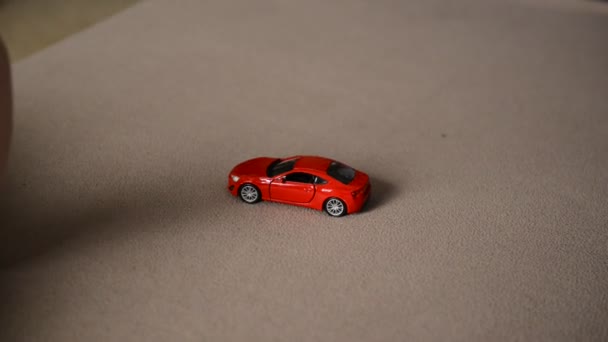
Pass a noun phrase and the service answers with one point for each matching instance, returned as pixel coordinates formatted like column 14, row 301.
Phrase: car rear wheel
column 335, row 207
column 249, row 193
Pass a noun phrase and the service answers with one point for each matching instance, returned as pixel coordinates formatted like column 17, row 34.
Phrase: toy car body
column 307, row 181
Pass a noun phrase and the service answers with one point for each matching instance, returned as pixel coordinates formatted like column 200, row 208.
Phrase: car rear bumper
column 360, row 202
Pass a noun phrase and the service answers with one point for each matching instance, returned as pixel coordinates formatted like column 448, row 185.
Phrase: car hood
column 253, row 167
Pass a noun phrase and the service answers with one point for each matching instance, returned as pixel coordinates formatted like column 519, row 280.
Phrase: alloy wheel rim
column 249, row 193
column 335, row 207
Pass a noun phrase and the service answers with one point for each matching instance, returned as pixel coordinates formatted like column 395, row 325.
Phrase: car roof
column 312, row 163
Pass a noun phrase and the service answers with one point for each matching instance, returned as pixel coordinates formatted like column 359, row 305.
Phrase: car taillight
column 358, row 192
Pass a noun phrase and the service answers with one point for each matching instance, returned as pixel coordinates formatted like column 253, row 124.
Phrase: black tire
column 250, row 193
column 335, row 207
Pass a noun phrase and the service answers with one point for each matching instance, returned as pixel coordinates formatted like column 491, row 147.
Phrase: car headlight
column 235, row 178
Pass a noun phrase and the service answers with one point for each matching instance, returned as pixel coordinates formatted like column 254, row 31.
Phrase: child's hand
column 5, row 107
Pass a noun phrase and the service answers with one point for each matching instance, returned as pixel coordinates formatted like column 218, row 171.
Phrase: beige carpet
column 483, row 124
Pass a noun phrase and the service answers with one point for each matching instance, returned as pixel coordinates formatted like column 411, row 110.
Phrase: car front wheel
column 335, row 207
column 249, row 193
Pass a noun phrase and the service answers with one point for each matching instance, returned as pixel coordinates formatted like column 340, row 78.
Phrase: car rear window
column 341, row 172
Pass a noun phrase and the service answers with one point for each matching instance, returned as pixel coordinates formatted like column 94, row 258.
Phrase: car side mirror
column 283, row 180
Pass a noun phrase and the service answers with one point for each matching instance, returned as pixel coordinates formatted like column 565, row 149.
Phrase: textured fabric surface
column 483, row 124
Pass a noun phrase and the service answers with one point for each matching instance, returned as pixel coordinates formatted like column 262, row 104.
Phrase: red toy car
column 313, row 182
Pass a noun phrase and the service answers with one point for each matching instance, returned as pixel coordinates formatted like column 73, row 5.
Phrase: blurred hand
column 5, row 107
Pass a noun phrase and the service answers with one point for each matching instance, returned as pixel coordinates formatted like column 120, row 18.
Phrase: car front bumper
column 232, row 186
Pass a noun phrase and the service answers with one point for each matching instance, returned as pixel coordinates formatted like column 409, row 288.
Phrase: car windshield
column 341, row 172
column 280, row 166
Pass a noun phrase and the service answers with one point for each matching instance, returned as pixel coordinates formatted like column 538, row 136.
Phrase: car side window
column 299, row 177
column 319, row 180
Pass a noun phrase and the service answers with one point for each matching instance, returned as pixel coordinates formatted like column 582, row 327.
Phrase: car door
column 296, row 187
